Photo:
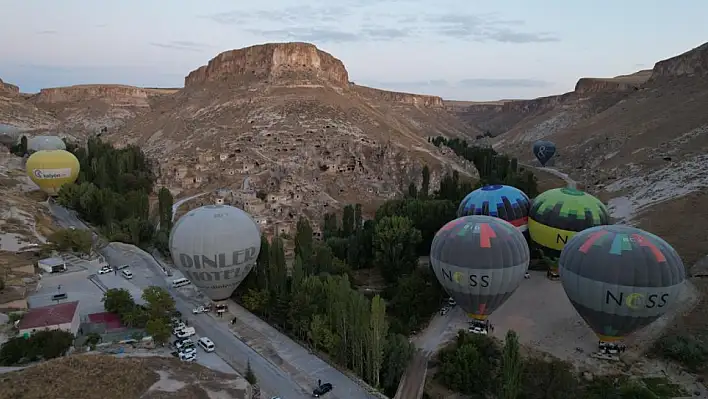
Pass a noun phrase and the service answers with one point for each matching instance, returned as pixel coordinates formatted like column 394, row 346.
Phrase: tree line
column 154, row 316
column 478, row 366
column 112, row 192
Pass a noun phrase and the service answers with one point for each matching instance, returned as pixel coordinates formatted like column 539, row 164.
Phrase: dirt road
column 413, row 380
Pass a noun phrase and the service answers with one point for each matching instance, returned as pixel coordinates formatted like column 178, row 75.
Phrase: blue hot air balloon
column 504, row 202
column 544, row 151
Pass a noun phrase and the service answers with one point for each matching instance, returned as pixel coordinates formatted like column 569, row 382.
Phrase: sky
column 464, row 50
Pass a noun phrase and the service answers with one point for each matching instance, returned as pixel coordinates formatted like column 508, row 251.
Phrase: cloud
column 182, row 45
column 485, row 27
column 47, row 32
column 348, row 22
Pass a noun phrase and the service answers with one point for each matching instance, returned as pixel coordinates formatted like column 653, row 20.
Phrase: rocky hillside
column 15, row 110
column 286, row 116
column 109, row 377
column 639, row 141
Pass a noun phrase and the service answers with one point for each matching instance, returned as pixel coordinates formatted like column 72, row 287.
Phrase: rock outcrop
column 8, row 88
column 112, row 94
column 691, row 63
column 273, row 62
column 418, row 100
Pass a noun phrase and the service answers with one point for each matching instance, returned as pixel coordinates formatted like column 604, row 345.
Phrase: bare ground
column 109, row 377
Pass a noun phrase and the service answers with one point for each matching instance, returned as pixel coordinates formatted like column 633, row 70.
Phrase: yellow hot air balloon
column 52, row 169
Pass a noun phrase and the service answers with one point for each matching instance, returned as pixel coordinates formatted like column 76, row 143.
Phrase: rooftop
column 52, row 261
column 49, row 315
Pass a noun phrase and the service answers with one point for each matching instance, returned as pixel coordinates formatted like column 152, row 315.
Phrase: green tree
column 165, row 202
column 511, row 367
column 412, row 190
column 304, row 239
column 395, row 241
column 76, row 240
column 160, row 304
column 397, row 354
column 23, row 145
column 159, row 329
column 348, row 223
column 377, row 340
column 118, row 301
column 358, row 217
column 330, row 227
column 425, row 185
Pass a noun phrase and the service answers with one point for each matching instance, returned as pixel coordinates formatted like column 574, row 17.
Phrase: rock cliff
column 8, row 88
column 691, row 63
column 273, row 62
column 112, row 94
column 419, row 100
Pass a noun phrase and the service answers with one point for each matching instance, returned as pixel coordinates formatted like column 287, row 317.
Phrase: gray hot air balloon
column 215, row 246
column 480, row 261
column 45, row 143
column 620, row 278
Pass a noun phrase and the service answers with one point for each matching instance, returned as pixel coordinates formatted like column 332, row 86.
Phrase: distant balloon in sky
column 50, row 170
column 620, row 278
column 480, row 261
column 544, row 151
column 215, row 247
column 505, row 202
column 558, row 214
column 41, row 143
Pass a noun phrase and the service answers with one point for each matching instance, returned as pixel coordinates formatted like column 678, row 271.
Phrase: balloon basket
column 609, row 350
column 479, row 327
column 552, row 275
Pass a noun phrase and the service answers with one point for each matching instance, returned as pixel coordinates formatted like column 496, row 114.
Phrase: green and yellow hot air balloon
column 558, row 214
column 52, row 169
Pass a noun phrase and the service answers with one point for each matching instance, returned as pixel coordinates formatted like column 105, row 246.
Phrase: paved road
column 568, row 180
column 272, row 379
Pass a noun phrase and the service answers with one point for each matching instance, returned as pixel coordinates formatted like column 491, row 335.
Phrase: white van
column 126, row 273
column 206, row 344
column 180, row 282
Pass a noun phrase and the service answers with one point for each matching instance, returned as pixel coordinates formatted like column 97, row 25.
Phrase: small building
column 63, row 316
column 52, row 265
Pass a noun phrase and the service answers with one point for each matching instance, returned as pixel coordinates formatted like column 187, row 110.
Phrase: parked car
column 187, row 357
column 322, row 389
column 185, row 332
column 188, row 350
column 183, row 343
column 105, row 270
column 200, row 309
column 178, row 326
column 121, row 267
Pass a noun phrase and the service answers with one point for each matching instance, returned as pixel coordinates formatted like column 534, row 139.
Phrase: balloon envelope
column 480, row 261
column 41, row 143
column 544, row 151
column 557, row 214
column 505, row 202
column 620, row 278
column 52, row 169
column 215, row 246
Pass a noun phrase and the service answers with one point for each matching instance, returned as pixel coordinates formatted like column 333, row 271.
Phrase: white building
column 63, row 316
column 52, row 265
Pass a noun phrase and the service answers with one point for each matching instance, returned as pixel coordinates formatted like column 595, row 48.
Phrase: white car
column 178, row 326
column 198, row 310
column 187, row 357
column 188, row 350
column 105, row 270
column 185, row 332
column 181, row 344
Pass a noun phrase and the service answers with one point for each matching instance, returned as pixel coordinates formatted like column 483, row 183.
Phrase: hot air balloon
column 558, row 214
column 52, row 169
column 480, row 261
column 42, row 143
column 544, row 151
column 215, row 246
column 620, row 278
column 505, row 202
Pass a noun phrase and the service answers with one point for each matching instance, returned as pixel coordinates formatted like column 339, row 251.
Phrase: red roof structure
column 47, row 316
column 110, row 320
